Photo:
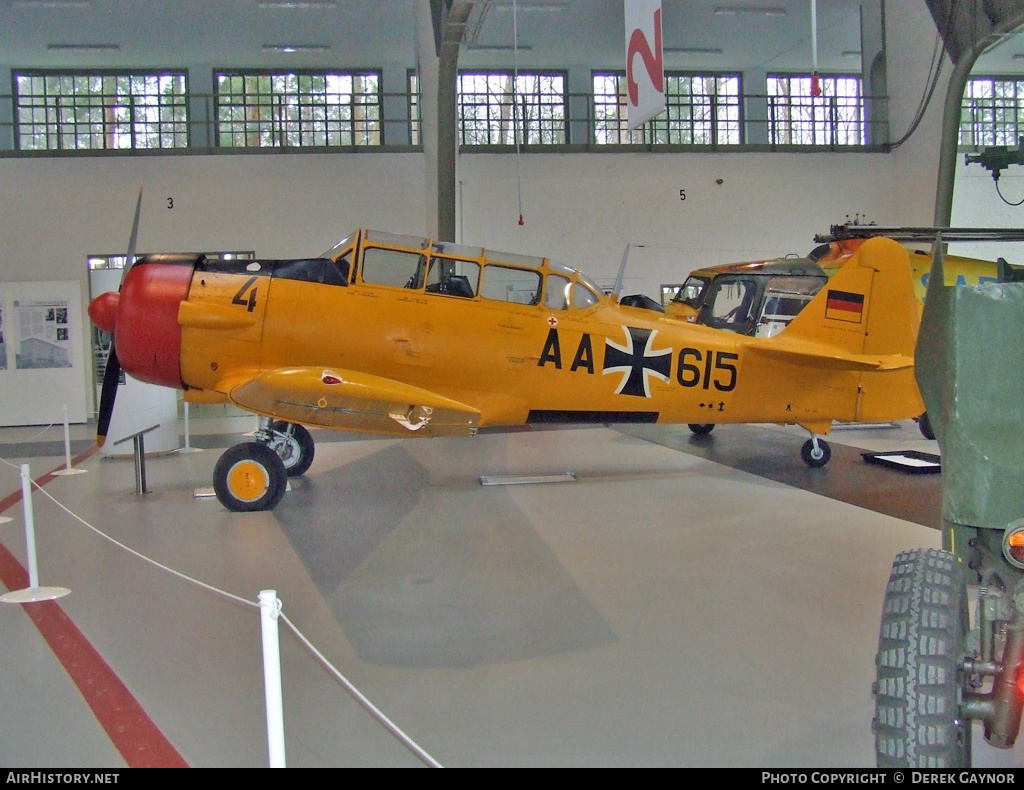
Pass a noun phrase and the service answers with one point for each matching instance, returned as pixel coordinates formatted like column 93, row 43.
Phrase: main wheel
column 919, row 665
column 814, row 457
column 249, row 476
column 701, row 429
column 293, row 443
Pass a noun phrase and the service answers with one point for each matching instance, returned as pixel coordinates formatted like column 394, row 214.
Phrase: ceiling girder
column 963, row 24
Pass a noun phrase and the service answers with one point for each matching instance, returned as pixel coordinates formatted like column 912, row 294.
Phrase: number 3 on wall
column 170, row 202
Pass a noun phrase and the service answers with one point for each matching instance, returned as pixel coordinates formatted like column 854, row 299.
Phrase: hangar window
column 414, row 107
column 992, row 112
column 499, row 108
column 700, row 109
column 298, row 109
column 106, row 110
column 796, row 117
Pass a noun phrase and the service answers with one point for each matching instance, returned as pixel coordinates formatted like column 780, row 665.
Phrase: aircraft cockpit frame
column 462, row 271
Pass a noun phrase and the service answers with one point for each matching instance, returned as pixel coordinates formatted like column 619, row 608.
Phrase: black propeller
column 112, row 374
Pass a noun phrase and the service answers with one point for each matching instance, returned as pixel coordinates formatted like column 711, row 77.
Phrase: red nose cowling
column 144, row 319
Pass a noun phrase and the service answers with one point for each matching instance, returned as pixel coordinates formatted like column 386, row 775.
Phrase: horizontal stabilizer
column 802, row 353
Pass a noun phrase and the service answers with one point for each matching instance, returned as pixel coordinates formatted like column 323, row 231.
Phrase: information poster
column 42, row 353
column 43, row 337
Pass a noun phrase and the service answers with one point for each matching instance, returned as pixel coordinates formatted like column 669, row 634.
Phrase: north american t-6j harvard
column 406, row 336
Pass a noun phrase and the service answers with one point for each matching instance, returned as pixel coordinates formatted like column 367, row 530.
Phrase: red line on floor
column 129, row 728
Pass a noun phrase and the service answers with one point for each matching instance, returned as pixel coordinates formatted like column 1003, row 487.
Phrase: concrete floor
column 685, row 602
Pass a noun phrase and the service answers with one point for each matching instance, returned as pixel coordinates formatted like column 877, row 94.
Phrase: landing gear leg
column 291, row 441
column 815, row 452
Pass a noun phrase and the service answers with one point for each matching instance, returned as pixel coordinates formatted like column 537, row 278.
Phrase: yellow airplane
column 414, row 337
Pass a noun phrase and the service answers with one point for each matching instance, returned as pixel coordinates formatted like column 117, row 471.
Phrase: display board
column 41, row 342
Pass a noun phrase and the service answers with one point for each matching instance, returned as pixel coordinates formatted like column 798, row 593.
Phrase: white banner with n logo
column 645, row 63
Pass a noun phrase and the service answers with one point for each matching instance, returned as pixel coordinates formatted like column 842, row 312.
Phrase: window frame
column 994, row 129
column 825, row 123
column 58, row 130
column 286, row 107
column 506, row 127
column 672, row 125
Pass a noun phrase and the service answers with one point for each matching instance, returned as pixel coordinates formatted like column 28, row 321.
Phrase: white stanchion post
column 67, row 440
column 270, row 608
column 188, row 448
column 68, row 470
column 33, row 592
column 30, row 526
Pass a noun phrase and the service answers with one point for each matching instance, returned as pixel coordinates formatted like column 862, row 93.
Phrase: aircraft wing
column 820, row 355
column 354, row 401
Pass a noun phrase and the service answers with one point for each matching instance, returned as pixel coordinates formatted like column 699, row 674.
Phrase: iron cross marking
column 637, row 362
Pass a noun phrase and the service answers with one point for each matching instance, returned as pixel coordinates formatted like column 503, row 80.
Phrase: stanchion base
column 189, row 450
column 32, row 594
column 72, row 471
column 5, row 519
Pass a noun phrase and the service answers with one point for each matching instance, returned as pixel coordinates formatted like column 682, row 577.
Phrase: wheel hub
column 248, row 480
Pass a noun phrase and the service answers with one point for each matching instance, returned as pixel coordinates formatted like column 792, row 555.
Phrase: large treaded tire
column 921, row 649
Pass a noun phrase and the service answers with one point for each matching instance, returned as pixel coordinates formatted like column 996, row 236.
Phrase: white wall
column 583, row 210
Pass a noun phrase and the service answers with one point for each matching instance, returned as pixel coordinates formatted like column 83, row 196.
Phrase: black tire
column 926, row 426
column 296, row 451
column 701, row 429
column 919, row 665
column 815, row 458
column 249, row 477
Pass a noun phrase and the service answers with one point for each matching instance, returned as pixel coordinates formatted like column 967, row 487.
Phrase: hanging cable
column 815, row 79
column 515, row 108
column 934, row 70
column 1007, row 202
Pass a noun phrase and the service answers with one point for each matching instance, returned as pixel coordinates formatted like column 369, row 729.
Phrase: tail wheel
column 293, row 444
column 815, row 454
column 921, row 650
column 701, row 429
column 249, row 477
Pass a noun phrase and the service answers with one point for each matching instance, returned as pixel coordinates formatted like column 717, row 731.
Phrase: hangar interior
column 664, row 599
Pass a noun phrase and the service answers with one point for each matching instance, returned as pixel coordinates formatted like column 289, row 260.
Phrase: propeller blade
column 111, row 378
column 134, row 237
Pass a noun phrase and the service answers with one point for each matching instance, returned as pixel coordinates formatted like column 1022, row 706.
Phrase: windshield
column 340, row 248
column 692, row 290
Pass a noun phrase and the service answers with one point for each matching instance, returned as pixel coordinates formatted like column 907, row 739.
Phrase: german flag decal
column 844, row 306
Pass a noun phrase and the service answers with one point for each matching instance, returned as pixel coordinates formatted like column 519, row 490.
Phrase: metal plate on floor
column 912, row 461
column 511, row 480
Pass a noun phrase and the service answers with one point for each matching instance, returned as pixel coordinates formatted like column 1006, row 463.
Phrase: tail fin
column 868, row 307
column 865, row 319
